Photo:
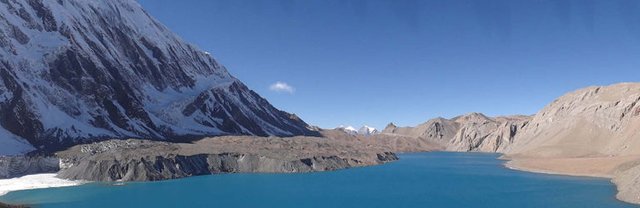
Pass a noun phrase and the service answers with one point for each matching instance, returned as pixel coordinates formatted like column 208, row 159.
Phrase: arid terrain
column 591, row 132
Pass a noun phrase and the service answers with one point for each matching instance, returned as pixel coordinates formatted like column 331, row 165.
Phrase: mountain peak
column 472, row 117
column 78, row 70
column 367, row 130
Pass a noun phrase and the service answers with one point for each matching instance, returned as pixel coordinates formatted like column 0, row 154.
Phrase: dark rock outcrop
column 179, row 166
column 140, row 160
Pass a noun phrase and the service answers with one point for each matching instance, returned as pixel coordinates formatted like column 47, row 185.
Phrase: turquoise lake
column 437, row 179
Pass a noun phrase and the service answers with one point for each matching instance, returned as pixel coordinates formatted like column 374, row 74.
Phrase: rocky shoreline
column 142, row 160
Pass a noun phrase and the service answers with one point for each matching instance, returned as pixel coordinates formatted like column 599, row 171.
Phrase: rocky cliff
column 76, row 71
column 437, row 130
column 470, row 132
column 141, row 160
column 483, row 134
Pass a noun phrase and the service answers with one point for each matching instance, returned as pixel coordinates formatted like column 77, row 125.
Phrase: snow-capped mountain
column 367, row 130
column 78, row 70
column 364, row 130
column 348, row 129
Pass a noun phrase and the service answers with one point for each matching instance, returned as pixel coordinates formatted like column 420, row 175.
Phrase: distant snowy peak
column 348, row 129
column 364, row 130
column 78, row 70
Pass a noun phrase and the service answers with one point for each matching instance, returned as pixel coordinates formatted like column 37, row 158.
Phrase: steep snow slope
column 76, row 71
column 13, row 145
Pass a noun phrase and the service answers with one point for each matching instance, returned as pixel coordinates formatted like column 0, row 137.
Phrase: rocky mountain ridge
column 80, row 71
column 594, row 121
column 470, row 132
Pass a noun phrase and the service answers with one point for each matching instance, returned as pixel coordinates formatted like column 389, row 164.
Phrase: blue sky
column 372, row 62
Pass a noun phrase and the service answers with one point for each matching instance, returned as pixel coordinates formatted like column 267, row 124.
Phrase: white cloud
column 282, row 87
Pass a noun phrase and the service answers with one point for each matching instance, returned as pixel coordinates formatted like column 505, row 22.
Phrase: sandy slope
column 589, row 132
column 624, row 171
column 590, row 122
column 604, row 167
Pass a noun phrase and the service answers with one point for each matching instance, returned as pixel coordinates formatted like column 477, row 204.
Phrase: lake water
column 435, row 179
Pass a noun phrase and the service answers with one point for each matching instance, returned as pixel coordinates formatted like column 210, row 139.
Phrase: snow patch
column 37, row 181
column 348, row 129
column 367, row 130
